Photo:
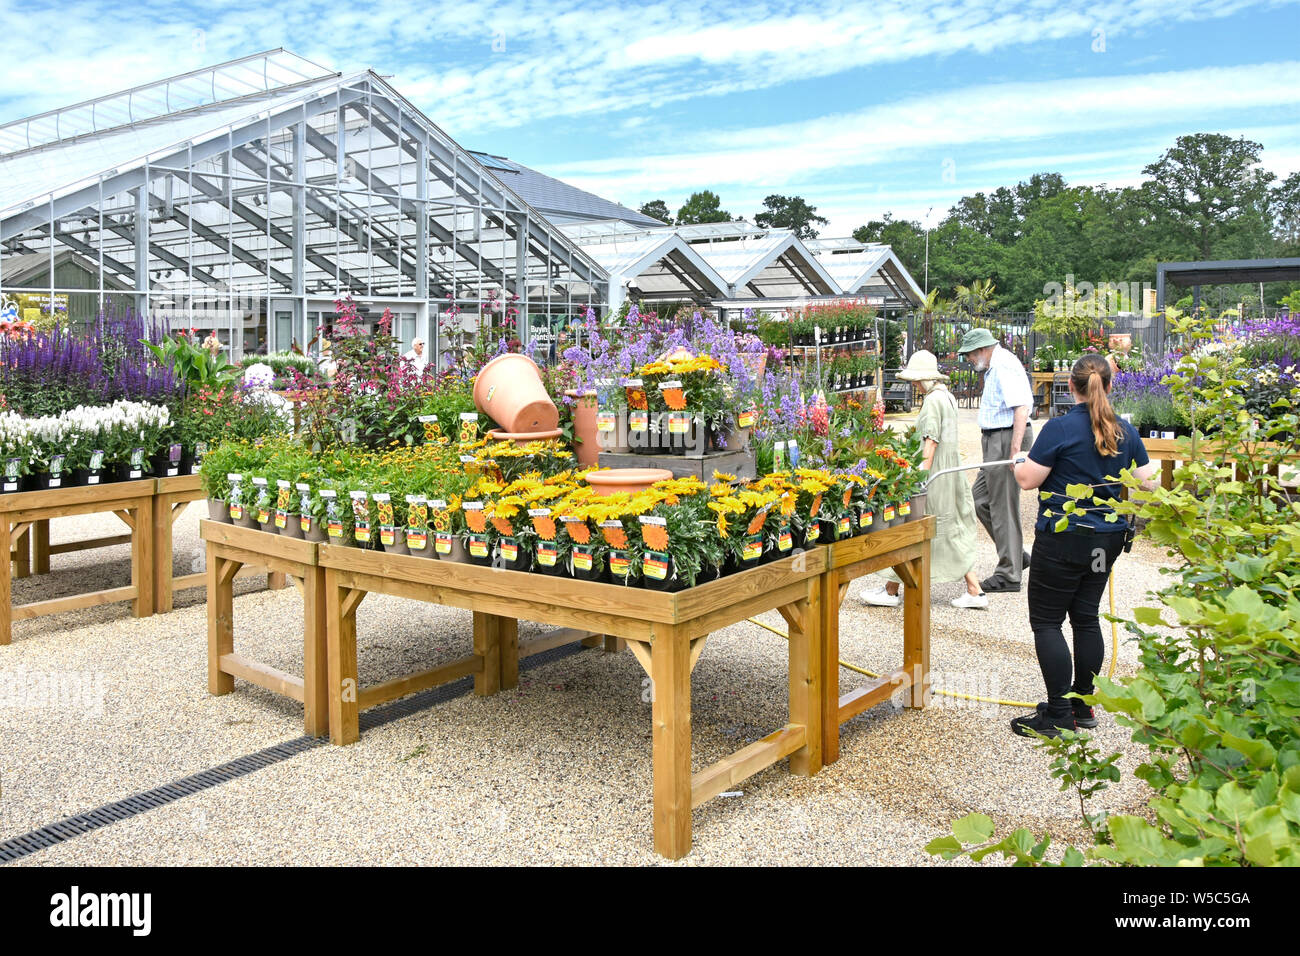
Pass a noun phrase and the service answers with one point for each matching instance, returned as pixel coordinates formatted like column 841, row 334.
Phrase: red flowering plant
column 375, row 396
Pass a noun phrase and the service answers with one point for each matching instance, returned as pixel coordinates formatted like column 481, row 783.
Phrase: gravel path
column 556, row 771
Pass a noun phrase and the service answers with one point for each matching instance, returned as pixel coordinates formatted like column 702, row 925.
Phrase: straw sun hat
column 922, row 367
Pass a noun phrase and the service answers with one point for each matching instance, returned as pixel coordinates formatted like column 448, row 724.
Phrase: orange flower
column 503, row 525
column 756, row 525
column 675, row 399
column 476, row 520
column 545, row 527
column 578, row 531
column 615, row 537
column 655, row 536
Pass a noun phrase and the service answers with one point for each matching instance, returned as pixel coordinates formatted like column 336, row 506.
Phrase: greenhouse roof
column 560, row 202
column 658, row 266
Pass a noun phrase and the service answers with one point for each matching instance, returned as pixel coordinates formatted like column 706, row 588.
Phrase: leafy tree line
column 1206, row 197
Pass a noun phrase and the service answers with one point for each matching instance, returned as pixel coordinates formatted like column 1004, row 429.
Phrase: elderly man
column 416, row 356
column 1005, row 405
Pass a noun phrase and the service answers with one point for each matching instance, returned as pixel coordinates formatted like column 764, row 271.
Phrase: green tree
column 702, row 206
column 1207, row 190
column 790, row 212
column 657, row 209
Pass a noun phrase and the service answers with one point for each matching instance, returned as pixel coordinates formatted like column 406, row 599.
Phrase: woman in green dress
column 949, row 499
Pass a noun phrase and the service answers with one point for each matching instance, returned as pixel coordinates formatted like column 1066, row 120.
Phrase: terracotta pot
column 630, row 480
column 586, row 440
column 509, row 390
column 523, row 438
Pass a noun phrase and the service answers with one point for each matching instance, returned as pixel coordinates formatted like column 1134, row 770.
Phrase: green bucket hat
column 976, row 339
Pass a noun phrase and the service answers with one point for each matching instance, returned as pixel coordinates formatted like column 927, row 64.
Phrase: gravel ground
column 557, row 771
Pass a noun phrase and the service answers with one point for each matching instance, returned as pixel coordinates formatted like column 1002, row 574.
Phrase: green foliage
column 1217, row 698
column 703, row 206
column 192, row 363
column 790, row 212
column 657, row 209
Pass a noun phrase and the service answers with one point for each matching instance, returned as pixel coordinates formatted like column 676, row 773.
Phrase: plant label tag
column 360, row 515
column 96, row 460
column 752, row 548
column 784, row 540
column 655, row 566
column 866, row 518
column 888, row 513
column 547, row 554
column 845, row 526
column 745, row 419
column 509, row 550
column 478, row 546
column 417, row 539
column 679, row 423
column 432, row 430
column 814, row 531
column 581, row 558
column 606, row 421
column 468, row 427
column 442, row 542
column 387, row 535
column 618, row 564
column 905, row 508
column 638, row 421
column 56, row 467
column 792, row 452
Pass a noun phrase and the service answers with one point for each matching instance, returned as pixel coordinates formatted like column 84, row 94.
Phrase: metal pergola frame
column 1222, row 272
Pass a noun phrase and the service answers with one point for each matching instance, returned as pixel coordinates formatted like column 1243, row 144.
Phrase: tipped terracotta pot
column 586, row 445
column 523, row 438
column 630, row 480
column 509, row 390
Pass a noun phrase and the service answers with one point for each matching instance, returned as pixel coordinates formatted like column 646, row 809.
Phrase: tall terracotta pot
column 509, row 390
column 586, row 444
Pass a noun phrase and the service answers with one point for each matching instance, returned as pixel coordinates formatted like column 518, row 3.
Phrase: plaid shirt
column 1006, row 388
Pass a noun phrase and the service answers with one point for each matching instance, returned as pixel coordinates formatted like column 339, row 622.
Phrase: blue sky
column 861, row 108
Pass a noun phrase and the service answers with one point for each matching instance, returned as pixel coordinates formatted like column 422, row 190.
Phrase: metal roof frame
column 1223, row 272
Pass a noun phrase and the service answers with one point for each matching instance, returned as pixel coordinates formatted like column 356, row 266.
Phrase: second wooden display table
column 30, row 512
column 666, row 633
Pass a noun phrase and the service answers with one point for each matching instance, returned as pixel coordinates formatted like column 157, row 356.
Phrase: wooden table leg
column 508, row 648
column 22, row 556
column 221, row 625
column 916, row 628
column 1167, row 474
column 315, row 655
column 162, row 554
column 806, row 677
column 341, row 630
column 487, row 645
column 670, row 664
column 829, row 609
column 41, row 545
column 614, row 644
column 142, row 559
column 6, row 593
column 276, row 581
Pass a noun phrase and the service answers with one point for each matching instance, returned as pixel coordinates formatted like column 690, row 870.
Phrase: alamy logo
column 74, row 909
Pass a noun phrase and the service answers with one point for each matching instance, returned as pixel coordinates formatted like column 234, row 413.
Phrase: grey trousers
column 997, row 502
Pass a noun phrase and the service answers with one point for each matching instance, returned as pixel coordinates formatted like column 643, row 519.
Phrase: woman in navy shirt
column 1088, row 445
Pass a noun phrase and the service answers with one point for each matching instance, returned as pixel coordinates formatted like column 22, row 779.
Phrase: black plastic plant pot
column 12, row 486
column 845, row 525
column 622, row 569
column 511, row 555
column 547, row 559
column 82, row 476
column 585, row 564
column 868, row 520
column 124, row 471
column 782, row 543
column 658, row 573
column 479, row 549
column 751, row 552
column 811, row 536
column 44, row 481
column 710, row 572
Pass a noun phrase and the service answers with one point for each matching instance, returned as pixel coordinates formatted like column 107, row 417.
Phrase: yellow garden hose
column 1114, row 651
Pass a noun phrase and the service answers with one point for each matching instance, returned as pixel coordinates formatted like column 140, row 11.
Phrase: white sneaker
column 972, row 601
column 882, row 598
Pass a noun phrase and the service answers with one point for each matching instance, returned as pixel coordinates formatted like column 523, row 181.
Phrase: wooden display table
column 29, row 513
column 906, row 549
column 171, row 497
column 229, row 548
column 666, row 633
column 1042, row 389
column 1167, row 451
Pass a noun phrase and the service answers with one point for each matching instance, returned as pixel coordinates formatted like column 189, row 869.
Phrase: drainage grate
column 55, row 833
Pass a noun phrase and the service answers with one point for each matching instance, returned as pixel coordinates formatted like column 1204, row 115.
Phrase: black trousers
column 1068, row 576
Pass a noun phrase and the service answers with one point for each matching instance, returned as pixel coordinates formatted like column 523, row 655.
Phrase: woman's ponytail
column 1091, row 379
